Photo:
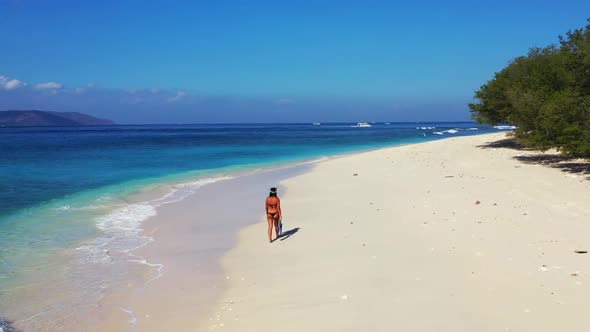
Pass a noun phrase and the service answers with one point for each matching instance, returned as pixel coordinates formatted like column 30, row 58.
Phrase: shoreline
column 187, row 249
column 147, row 265
column 129, row 315
column 475, row 241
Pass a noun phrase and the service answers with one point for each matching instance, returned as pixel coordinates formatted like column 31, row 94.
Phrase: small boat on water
column 316, row 123
column 363, row 125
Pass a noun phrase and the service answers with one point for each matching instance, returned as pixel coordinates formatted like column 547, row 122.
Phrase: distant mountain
column 42, row 118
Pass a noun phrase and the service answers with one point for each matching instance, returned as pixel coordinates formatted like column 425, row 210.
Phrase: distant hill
column 43, row 118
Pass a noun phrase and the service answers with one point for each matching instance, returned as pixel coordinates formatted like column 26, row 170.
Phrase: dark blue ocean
column 75, row 190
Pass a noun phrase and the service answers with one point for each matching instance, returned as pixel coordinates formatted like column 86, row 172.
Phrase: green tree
column 546, row 94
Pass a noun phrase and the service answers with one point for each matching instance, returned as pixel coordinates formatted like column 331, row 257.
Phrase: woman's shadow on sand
column 288, row 234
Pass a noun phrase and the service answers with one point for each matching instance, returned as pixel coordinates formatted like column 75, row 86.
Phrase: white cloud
column 10, row 84
column 179, row 95
column 13, row 84
column 49, row 86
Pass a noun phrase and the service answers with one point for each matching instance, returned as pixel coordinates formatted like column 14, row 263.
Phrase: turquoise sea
column 72, row 199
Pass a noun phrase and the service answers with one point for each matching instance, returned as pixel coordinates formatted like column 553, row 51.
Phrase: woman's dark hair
column 273, row 192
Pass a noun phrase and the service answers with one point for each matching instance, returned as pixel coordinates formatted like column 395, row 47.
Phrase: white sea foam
column 472, row 128
column 157, row 267
column 505, row 127
column 126, row 219
column 313, row 161
column 60, row 208
column 122, row 227
column 122, row 234
column 451, row 131
column 425, row 128
column 132, row 319
column 438, row 133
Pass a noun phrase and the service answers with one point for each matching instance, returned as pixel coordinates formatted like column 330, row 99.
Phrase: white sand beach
column 448, row 235
column 451, row 235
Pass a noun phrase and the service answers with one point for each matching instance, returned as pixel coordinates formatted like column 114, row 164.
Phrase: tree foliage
column 545, row 94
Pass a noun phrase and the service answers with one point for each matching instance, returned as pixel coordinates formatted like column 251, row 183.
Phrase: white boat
column 363, row 124
column 316, row 123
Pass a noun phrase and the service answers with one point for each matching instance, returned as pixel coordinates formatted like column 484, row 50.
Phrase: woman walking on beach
column 273, row 212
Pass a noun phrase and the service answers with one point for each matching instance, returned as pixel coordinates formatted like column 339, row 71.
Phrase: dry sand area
column 451, row 235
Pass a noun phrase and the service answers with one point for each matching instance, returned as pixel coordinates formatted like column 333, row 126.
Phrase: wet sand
column 182, row 277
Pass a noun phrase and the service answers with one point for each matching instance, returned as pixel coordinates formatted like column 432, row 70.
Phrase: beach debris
column 351, row 222
column 449, row 176
column 543, row 268
column 581, row 251
column 477, row 202
column 344, row 297
column 355, row 174
column 575, row 274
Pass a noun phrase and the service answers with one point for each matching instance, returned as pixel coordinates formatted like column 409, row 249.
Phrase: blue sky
column 266, row 61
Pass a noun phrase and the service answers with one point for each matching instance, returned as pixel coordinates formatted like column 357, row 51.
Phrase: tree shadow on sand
column 507, row 143
column 289, row 233
column 577, row 166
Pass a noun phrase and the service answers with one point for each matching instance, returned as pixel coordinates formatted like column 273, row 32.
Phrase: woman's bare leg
column 276, row 223
column 270, row 220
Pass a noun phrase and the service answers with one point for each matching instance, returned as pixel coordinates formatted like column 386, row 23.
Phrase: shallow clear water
column 74, row 194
